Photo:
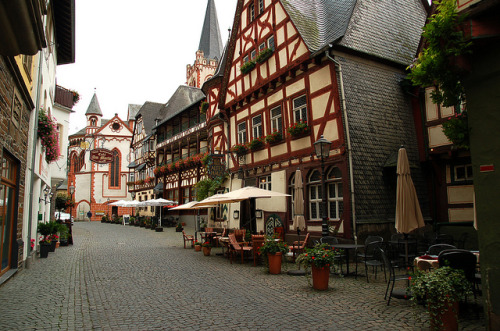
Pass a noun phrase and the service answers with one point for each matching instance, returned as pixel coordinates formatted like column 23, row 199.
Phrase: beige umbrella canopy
column 408, row 213
column 249, row 192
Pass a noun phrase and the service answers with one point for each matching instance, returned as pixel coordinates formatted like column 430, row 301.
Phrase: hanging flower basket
column 47, row 132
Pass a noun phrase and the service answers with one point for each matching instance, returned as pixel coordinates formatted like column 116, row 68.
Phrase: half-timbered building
column 297, row 70
column 99, row 182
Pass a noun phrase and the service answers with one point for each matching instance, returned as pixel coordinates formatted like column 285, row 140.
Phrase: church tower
column 209, row 51
column 94, row 115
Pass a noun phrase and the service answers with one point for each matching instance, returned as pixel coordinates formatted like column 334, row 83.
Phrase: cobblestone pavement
column 129, row 278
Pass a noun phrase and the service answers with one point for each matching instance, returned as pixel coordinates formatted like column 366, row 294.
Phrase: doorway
column 8, row 180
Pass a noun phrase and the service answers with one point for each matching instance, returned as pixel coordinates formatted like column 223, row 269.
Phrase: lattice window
column 251, row 11
column 300, row 108
column 265, row 182
column 270, row 42
column 335, row 193
column 276, row 122
column 242, row 133
column 257, row 126
column 261, row 6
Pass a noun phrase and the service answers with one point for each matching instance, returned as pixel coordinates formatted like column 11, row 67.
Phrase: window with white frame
column 270, row 42
column 257, row 126
column 276, row 122
column 463, row 172
column 251, row 11
column 242, row 133
column 245, row 59
column 253, row 54
column 315, row 195
column 262, row 47
column 300, row 108
column 265, row 182
column 261, row 6
column 335, row 193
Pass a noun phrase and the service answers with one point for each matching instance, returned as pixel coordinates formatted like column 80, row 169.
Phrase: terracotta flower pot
column 447, row 320
column 197, row 248
column 274, row 263
column 320, row 277
column 206, row 251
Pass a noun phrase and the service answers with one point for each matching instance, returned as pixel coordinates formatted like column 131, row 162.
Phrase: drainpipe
column 33, row 153
column 349, row 147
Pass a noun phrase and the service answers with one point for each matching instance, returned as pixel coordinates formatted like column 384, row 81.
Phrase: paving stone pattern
column 129, row 278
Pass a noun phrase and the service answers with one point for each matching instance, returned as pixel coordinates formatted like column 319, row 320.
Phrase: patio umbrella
column 217, row 199
column 119, row 203
column 159, row 203
column 299, row 223
column 408, row 213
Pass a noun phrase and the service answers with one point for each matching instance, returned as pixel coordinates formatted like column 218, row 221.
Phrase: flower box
column 274, row 138
column 256, row 144
column 239, row 149
column 264, row 55
column 299, row 129
column 247, row 67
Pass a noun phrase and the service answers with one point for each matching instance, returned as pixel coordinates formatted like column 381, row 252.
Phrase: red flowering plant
column 160, row 171
column 179, row 164
column 239, row 149
column 321, row 255
column 171, row 167
column 274, row 137
column 298, row 128
column 32, row 244
column 49, row 136
column 149, row 180
column 256, row 144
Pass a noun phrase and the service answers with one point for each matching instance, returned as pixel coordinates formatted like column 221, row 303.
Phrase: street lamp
column 322, row 148
column 71, row 191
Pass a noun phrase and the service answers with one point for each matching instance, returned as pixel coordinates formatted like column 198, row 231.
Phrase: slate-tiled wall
column 380, row 120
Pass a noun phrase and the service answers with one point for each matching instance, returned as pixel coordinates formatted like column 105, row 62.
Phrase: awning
column 159, row 187
column 132, row 165
column 142, row 166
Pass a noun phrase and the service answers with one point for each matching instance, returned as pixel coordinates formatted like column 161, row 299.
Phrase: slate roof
column 94, row 107
column 132, row 111
column 319, row 22
column 83, row 131
column 183, row 98
column 210, row 41
column 149, row 112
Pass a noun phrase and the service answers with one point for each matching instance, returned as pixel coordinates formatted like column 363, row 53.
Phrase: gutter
column 348, row 138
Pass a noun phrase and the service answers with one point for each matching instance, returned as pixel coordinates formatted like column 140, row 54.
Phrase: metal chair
column 400, row 293
column 460, row 259
column 372, row 259
column 438, row 248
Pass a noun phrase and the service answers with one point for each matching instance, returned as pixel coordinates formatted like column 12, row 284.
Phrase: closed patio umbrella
column 408, row 213
column 299, row 223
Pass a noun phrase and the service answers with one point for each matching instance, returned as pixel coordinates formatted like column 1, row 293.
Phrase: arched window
column 74, row 162
column 114, row 170
column 93, row 121
column 334, row 194
column 81, row 160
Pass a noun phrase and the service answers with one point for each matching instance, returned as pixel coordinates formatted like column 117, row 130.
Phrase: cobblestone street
column 129, row 278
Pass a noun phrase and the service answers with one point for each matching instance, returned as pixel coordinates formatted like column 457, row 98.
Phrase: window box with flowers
column 139, row 182
column 239, row 149
column 456, row 129
column 264, row 55
column 149, row 180
column 274, row 137
column 256, row 144
column 160, row 171
column 299, row 129
column 247, row 67
column 47, row 132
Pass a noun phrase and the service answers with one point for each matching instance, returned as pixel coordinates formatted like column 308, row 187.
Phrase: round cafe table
column 347, row 248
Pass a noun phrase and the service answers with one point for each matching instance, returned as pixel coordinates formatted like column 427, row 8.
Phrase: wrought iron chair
column 390, row 292
column 438, row 248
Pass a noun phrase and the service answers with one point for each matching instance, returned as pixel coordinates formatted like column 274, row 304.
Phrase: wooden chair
column 298, row 246
column 257, row 242
column 235, row 247
column 217, row 237
column 188, row 238
column 240, row 234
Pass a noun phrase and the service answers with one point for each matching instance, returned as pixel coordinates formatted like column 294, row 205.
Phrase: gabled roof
column 94, row 107
column 132, row 111
column 150, row 111
column 319, row 22
column 183, row 98
column 210, row 41
column 83, row 132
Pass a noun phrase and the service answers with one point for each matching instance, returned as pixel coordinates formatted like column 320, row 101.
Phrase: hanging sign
column 101, row 156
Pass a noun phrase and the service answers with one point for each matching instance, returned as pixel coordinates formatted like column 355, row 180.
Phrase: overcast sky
column 134, row 51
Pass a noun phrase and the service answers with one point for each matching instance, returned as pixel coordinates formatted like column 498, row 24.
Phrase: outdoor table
column 421, row 262
column 347, row 248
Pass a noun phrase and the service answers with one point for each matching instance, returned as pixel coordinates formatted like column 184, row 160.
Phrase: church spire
column 94, row 107
column 211, row 41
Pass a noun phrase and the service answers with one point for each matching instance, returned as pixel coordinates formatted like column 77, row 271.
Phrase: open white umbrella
column 160, row 202
column 217, row 199
column 119, row 203
column 249, row 192
column 408, row 214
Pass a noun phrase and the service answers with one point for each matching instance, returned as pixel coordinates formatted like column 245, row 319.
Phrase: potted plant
column 319, row 258
column 53, row 237
column 273, row 249
column 179, row 227
column 247, row 67
column 197, row 246
column 299, row 129
column 256, row 144
column 239, row 149
column 45, row 230
column 63, row 234
column 207, row 248
column 274, row 137
column 441, row 289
